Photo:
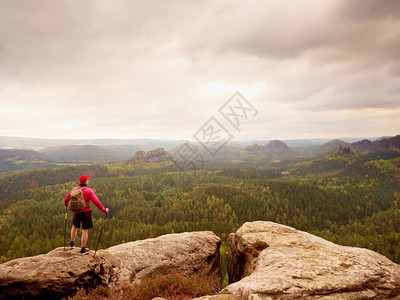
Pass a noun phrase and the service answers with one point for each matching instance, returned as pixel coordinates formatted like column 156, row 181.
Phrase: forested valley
column 350, row 199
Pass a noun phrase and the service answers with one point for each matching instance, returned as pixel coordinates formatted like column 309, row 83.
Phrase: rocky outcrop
column 345, row 149
column 186, row 253
column 157, row 155
column 266, row 261
column 272, row 261
column 55, row 275
column 60, row 273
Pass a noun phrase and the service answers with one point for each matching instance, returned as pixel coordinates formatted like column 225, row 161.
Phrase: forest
column 349, row 199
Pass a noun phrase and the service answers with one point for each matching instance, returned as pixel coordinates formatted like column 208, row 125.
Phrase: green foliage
column 350, row 200
column 223, row 252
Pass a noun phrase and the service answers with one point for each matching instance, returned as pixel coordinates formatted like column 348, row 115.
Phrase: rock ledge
column 272, row 261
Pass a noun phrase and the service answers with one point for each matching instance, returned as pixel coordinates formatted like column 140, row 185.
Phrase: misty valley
column 348, row 197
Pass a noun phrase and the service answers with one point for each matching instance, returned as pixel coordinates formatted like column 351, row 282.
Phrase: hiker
column 85, row 215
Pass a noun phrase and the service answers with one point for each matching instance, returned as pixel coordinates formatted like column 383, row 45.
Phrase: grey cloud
column 141, row 64
column 69, row 42
column 394, row 69
column 368, row 9
column 275, row 31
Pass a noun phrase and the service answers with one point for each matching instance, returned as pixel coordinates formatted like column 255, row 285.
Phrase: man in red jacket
column 84, row 217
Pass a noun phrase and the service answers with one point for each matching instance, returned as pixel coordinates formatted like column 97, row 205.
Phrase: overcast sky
column 161, row 69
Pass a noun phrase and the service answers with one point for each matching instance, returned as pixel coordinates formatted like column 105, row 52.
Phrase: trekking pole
column 65, row 224
column 101, row 230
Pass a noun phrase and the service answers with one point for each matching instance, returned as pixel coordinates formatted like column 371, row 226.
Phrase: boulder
column 272, row 261
column 186, row 253
column 55, row 275
column 60, row 273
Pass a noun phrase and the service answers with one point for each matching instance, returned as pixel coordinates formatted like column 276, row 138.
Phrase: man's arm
column 96, row 201
column 67, row 198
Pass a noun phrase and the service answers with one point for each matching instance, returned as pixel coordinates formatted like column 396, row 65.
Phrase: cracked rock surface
column 186, row 253
column 272, row 261
column 60, row 273
column 55, row 275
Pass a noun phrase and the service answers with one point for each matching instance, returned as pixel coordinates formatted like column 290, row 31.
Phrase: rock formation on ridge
column 60, row 273
column 272, row 261
column 187, row 253
column 55, row 275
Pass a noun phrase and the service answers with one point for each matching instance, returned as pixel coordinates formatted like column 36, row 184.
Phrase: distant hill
column 276, row 146
column 301, row 143
column 124, row 151
column 255, row 148
column 34, row 143
column 387, row 144
column 322, row 150
column 20, row 154
column 18, row 159
column 334, row 143
column 273, row 150
column 148, row 144
column 362, row 146
column 382, row 138
column 80, row 154
column 227, row 152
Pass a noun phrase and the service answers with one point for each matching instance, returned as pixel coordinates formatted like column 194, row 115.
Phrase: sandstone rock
column 60, row 273
column 55, row 275
column 187, row 253
column 272, row 261
column 157, row 155
column 220, row 297
column 345, row 149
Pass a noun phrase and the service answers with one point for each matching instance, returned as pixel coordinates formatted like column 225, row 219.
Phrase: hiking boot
column 84, row 251
column 71, row 245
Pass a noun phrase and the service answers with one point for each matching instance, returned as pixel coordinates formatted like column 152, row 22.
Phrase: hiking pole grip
column 101, row 230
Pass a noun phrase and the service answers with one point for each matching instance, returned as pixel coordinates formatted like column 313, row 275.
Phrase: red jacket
column 88, row 195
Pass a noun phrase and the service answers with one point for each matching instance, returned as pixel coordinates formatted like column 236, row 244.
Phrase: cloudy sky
column 161, row 69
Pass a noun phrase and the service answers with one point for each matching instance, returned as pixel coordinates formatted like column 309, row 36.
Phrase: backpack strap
column 82, row 189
